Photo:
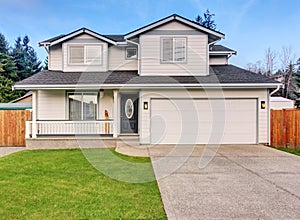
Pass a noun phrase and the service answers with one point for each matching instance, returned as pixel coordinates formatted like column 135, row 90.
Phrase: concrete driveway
column 4, row 151
column 242, row 182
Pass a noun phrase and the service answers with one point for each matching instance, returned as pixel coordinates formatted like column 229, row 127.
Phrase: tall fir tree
column 297, row 90
column 207, row 20
column 25, row 58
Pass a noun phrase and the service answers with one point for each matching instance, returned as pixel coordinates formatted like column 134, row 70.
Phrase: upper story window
column 131, row 53
column 173, row 49
column 85, row 54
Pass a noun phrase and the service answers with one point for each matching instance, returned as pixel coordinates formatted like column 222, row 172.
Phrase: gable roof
column 64, row 37
column 220, row 76
column 213, row 33
column 221, row 50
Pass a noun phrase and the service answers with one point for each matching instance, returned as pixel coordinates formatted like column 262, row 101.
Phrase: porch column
column 34, row 113
column 115, row 123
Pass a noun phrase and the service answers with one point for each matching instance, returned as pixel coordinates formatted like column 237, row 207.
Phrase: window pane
column 167, row 49
column 76, row 54
column 179, row 54
column 75, row 107
column 89, row 102
column 93, row 55
column 131, row 53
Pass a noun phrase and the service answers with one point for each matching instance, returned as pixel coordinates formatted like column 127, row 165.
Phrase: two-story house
column 164, row 83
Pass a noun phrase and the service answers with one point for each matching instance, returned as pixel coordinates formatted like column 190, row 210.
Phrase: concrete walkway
column 4, row 151
column 241, row 182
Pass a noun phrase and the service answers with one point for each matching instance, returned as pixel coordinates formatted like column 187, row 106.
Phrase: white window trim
column 82, row 92
column 173, row 39
column 126, row 58
column 85, row 52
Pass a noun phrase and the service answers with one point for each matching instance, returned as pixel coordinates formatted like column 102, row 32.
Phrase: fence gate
column 285, row 128
column 12, row 127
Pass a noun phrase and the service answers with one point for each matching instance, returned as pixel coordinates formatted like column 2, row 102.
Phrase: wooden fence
column 12, row 127
column 285, row 128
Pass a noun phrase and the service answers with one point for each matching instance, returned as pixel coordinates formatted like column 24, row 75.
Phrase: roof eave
column 153, row 86
column 171, row 18
column 76, row 33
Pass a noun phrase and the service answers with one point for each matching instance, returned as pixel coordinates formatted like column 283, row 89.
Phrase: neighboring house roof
column 15, row 106
column 223, row 75
column 64, row 37
column 27, row 95
column 214, row 35
column 220, row 49
column 280, row 99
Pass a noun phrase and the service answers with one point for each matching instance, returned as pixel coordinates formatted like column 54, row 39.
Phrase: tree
column 25, row 58
column 46, row 64
column 270, row 59
column 4, row 48
column 207, row 20
column 6, row 93
column 297, row 85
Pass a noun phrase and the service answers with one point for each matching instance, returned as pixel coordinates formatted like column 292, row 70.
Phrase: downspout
column 269, row 116
column 207, row 61
column 139, row 54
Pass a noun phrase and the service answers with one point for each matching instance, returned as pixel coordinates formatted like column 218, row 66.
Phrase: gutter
column 276, row 90
column 149, row 86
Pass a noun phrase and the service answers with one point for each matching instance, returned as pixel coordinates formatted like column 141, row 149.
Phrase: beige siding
column 106, row 103
column 259, row 94
column 51, row 105
column 55, row 57
column 218, row 60
column 117, row 61
column 196, row 56
column 174, row 25
column 85, row 39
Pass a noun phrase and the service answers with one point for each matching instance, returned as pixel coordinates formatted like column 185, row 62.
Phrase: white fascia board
column 222, row 52
column 154, row 86
column 148, row 27
column 156, row 24
column 81, row 32
column 200, row 27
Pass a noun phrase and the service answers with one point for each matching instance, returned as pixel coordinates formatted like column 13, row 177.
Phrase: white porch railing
column 102, row 127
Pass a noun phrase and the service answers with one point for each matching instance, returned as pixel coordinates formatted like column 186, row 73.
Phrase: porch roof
column 222, row 75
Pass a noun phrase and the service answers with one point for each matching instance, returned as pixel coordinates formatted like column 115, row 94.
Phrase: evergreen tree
column 4, row 48
column 6, row 93
column 46, row 64
column 207, row 20
column 25, row 58
column 297, row 90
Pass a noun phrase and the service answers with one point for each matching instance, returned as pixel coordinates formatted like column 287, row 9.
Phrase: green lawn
column 62, row 184
column 292, row 151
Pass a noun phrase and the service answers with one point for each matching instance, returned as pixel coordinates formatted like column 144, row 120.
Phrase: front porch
column 66, row 119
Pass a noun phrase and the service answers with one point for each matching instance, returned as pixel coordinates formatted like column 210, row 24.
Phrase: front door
column 129, row 113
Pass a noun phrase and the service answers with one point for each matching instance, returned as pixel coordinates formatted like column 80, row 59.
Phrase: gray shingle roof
column 224, row 74
column 220, row 48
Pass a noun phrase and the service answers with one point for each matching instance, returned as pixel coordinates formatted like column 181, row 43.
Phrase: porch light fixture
column 263, row 104
column 146, row 106
column 101, row 93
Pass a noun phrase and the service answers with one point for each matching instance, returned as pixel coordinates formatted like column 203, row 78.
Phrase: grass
column 62, row 184
column 292, row 151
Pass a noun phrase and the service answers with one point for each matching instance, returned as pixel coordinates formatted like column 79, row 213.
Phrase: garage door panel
column 194, row 121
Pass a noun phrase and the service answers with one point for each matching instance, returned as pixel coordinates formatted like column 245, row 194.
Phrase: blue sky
column 250, row 26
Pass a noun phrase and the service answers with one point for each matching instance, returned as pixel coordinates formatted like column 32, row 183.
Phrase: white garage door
column 202, row 121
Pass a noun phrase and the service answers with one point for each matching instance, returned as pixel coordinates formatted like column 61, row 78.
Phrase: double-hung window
column 85, row 54
column 82, row 106
column 173, row 49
